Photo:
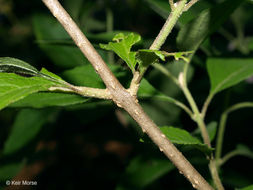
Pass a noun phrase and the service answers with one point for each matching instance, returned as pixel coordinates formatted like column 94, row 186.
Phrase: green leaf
column 25, row 128
column 196, row 31
column 86, row 76
column 122, row 47
column 51, row 75
column 12, row 65
column 243, row 150
column 246, row 188
column 143, row 171
column 14, row 87
column 212, row 129
column 179, row 136
column 47, row 99
column 183, row 137
column 47, row 28
column 9, row 170
column 224, row 72
column 146, row 57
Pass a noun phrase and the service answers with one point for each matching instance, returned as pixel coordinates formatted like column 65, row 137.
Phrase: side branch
column 84, row 91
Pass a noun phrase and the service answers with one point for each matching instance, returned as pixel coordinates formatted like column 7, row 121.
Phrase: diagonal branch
column 124, row 99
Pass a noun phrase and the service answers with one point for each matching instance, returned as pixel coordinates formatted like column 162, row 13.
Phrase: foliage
column 45, row 122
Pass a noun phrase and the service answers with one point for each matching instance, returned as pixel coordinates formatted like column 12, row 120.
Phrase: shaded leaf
column 122, row 47
column 246, row 188
column 47, row 28
column 12, row 65
column 244, row 151
column 86, row 76
column 195, row 32
column 224, row 72
column 25, row 128
column 8, row 171
column 146, row 57
column 143, row 171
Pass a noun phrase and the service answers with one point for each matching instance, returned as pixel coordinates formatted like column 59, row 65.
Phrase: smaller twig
column 231, row 155
column 172, row 5
column 222, row 126
column 190, row 4
column 84, row 91
column 168, row 26
column 201, row 124
column 135, row 83
column 215, row 174
column 160, row 39
column 206, row 104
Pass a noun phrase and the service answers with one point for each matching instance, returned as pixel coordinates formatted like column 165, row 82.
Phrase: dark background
column 95, row 145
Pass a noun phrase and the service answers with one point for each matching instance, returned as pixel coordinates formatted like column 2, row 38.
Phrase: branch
column 231, row 155
column 190, row 4
column 222, row 126
column 206, row 104
column 84, row 91
column 172, row 6
column 161, row 37
column 125, row 100
column 168, row 26
column 199, row 119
